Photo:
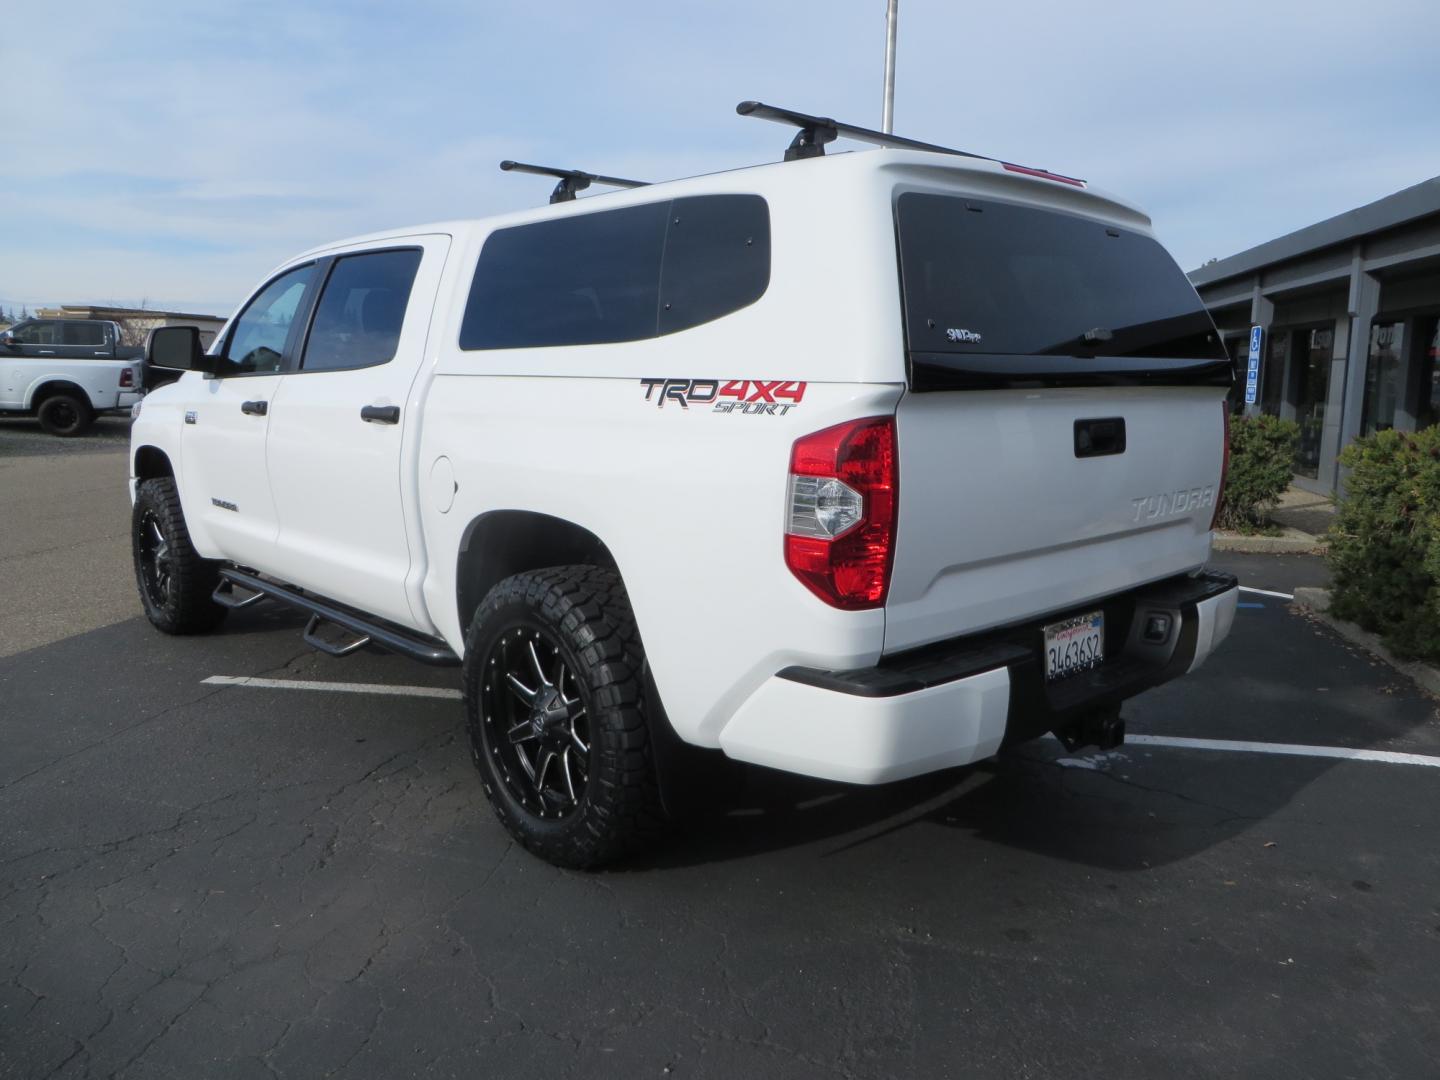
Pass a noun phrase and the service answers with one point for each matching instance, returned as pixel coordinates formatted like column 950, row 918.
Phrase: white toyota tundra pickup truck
column 857, row 465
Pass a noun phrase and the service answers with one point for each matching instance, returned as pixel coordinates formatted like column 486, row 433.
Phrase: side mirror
column 7, row 339
column 178, row 348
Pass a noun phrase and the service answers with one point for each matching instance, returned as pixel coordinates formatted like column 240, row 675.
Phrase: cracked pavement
column 233, row 881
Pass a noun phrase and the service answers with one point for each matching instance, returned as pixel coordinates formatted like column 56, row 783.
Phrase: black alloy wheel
column 536, row 720
column 175, row 583
column 559, row 715
column 152, row 559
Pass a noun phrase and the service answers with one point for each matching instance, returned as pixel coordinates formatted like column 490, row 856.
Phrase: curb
column 1316, row 602
column 1294, row 542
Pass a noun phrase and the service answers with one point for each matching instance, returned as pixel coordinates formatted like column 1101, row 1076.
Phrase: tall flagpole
column 887, row 116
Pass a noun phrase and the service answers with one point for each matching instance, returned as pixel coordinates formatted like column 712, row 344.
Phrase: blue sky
column 174, row 152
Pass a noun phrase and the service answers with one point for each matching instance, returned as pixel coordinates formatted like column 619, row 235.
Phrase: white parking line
column 1386, row 757
column 336, row 687
column 1267, row 592
column 1345, row 753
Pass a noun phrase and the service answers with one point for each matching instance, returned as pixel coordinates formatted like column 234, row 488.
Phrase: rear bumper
column 959, row 701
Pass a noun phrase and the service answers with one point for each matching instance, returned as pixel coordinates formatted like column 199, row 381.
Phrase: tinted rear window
column 618, row 275
column 984, row 277
column 84, row 333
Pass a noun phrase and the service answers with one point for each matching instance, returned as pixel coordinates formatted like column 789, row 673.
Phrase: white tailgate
column 1001, row 522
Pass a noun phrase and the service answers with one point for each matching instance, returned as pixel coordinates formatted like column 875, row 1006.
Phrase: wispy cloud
column 182, row 149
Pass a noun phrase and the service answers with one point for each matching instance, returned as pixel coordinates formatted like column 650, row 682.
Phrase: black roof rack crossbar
column 571, row 180
column 816, row 131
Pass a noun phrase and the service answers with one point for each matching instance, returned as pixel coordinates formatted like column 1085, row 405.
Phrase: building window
column 1383, row 389
column 1428, row 410
column 1314, row 349
column 1239, row 349
column 1272, row 373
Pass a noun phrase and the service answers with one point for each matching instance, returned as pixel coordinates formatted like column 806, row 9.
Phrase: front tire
column 65, row 415
column 556, row 707
column 175, row 583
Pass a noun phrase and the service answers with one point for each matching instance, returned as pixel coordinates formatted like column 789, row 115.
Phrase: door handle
column 380, row 414
column 255, row 408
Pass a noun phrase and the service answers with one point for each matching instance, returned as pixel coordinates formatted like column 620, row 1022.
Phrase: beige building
column 136, row 323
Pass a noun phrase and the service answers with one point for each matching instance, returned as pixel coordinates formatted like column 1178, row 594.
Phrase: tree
column 135, row 329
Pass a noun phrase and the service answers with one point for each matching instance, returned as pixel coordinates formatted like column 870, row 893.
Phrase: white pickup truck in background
column 65, row 372
column 857, row 466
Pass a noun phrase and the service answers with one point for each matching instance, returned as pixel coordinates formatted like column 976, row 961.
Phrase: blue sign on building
column 1252, row 370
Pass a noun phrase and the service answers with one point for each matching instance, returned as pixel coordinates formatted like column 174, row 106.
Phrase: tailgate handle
column 1098, row 438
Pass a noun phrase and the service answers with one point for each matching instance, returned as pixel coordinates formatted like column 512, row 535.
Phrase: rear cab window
column 994, row 291
column 83, row 333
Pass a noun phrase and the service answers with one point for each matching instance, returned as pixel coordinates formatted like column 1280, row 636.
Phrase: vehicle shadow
column 1134, row 808
column 265, row 618
column 1121, row 810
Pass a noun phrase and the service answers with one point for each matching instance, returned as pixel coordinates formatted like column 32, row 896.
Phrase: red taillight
column 127, row 376
column 1224, row 469
column 840, row 529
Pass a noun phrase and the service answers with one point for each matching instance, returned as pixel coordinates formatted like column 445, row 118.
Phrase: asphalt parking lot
column 203, row 877
column 64, row 547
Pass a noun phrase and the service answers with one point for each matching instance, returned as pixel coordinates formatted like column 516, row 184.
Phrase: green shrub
column 1262, row 461
column 1385, row 543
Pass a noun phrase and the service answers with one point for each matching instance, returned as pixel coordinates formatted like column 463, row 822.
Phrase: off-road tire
column 183, row 605
column 585, row 613
column 65, row 415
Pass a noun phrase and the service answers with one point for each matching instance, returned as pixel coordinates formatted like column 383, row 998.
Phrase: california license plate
column 1074, row 645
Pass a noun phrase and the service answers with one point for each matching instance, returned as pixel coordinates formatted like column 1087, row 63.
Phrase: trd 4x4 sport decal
column 752, row 397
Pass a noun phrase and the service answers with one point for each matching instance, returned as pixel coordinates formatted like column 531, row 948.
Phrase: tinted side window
column 84, row 333
column 257, row 343
column 38, row 333
column 717, row 259
column 619, row 275
column 358, row 319
column 573, row 281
